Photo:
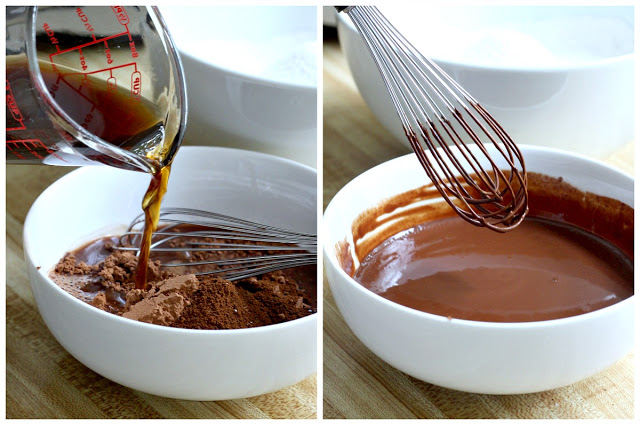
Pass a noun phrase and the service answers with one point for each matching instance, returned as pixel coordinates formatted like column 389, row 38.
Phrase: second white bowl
column 482, row 357
column 583, row 106
column 251, row 76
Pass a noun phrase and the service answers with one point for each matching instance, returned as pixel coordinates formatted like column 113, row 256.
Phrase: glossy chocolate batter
column 547, row 268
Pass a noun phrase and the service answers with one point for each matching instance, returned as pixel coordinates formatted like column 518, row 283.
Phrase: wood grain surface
column 356, row 383
column 44, row 381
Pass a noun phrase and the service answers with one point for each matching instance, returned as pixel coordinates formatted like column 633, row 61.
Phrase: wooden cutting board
column 356, row 383
column 44, row 381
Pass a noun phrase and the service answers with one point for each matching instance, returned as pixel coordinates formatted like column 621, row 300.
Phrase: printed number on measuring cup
column 134, row 54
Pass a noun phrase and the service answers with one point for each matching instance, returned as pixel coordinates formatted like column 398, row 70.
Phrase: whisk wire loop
column 261, row 248
column 453, row 136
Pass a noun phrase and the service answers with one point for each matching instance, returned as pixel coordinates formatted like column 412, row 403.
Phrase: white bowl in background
column 251, row 76
column 481, row 357
column 181, row 363
column 329, row 16
column 552, row 76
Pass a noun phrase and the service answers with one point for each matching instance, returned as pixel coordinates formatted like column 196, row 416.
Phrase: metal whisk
column 461, row 138
column 199, row 242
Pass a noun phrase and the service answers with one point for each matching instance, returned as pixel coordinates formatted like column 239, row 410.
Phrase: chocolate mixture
column 573, row 254
column 105, row 278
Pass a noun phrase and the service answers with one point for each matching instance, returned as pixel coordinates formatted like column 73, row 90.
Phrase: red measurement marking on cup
column 34, row 146
column 110, row 69
column 123, row 18
column 121, row 14
column 112, row 86
column 85, row 20
column 136, row 81
column 77, row 90
column 83, row 65
column 16, row 120
column 107, row 53
column 90, row 43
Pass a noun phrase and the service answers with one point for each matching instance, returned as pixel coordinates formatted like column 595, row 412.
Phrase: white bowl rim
column 629, row 57
column 160, row 328
column 283, row 85
column 421, row 315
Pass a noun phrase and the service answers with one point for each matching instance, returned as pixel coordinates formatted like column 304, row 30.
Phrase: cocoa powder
column 104, row 278
column 219, row 304
column 69, row 265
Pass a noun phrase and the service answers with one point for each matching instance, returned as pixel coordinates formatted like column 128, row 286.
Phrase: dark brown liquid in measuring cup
column 110, row 112
column 106, row 110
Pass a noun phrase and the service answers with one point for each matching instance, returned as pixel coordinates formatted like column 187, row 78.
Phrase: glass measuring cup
column 93, row 84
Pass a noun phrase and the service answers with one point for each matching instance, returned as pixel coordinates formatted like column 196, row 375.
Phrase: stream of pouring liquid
column 151, row 206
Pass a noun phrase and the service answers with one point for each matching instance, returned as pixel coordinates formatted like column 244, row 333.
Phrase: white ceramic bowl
column 482, row 357
column 179, row 363
column 552, row 76
column 251, row 76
